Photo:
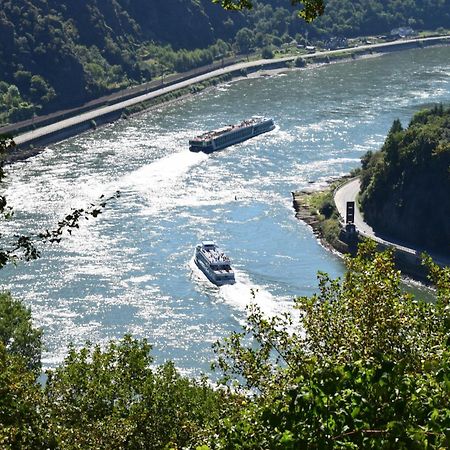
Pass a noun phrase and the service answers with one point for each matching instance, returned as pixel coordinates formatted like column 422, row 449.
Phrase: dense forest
column 55, row 54
column 405, row 186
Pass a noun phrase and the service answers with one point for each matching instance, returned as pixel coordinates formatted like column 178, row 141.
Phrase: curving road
column 348, row 192
column 91, row 115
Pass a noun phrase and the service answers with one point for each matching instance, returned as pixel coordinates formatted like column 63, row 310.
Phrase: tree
column 244, row 40
column 21, row 419
column 362, row 365
column 267, row 52
column 40, row 91
column 404, row 187
column 17, row 333
column 300, row 62
column 112, row 398
column 12, row 96
column 311, row 9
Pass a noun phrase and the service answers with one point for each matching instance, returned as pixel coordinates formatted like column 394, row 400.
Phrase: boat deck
column 216, row 133
column 215, row 257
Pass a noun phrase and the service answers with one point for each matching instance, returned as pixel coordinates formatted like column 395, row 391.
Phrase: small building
column 336, row 42
column 403, row 32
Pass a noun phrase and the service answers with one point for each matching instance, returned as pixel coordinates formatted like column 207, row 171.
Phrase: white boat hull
column 218, row 281
column 214, row 263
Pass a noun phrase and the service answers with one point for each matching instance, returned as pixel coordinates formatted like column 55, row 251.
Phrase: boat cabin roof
column 208, row 244
column 215, row 133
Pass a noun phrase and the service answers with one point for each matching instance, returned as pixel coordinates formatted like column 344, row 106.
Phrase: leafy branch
column 310, row 11
column 24, row 248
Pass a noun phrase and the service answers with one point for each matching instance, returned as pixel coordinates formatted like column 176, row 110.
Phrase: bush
column 17, row 333
column 363, row 365
column 267, row 52
column 112, row 398
column 299, row 62
column 330, row 230
column 327, row 209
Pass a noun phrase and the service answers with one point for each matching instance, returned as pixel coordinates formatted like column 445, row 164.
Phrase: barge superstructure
column 231, row 134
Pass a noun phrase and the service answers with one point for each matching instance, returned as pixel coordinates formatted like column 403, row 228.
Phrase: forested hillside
column 55, row 54
column 365, row 18
column 61, row 53
column 406, row 186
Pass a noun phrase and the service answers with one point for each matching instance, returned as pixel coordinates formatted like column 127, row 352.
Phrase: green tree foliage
column 368, row 18
column 81, row 50
column 157, row 59
column 40, row 91
column 21, row 424
column 21, row 420
column 300, row 62
column 17, row 334
column 362, row 365
column 244, row 40
column 267, row 52
column 311, row 9
column 113, row 399
column 405, row 186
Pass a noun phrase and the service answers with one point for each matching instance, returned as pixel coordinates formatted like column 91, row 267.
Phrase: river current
column 131, row 271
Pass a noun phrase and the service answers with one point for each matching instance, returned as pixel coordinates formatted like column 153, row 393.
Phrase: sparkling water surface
column 131, row 269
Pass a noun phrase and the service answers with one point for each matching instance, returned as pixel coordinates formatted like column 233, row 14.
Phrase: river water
column 131, row 270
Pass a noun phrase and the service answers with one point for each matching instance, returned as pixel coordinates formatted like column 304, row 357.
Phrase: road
column 93, row 114
column 348, row 192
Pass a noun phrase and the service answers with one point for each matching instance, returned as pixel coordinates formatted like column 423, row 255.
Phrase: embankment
column 122, row 104
column 317, row 208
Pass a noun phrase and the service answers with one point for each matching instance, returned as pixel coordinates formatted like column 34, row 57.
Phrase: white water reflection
column 129, row 271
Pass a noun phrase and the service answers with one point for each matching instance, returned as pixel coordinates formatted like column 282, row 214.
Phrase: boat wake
column 244, row 293
column 163, row 172
column 160, row 182
column 241, row 294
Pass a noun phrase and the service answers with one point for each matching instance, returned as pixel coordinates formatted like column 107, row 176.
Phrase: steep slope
column 60, row 53
column 406, row 186
column 79, row 50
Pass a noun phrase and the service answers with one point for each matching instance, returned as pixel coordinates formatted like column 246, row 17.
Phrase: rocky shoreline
column 312, row 207
column 328, row 227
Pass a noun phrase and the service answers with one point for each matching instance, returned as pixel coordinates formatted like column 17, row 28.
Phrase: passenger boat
column 231, row 134
column 214, row 263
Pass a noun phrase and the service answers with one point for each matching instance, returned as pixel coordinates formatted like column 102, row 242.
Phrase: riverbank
column 130, row 269
column 33, row 141
column 318, row 209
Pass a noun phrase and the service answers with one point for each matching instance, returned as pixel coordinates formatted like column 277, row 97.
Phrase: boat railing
column 222, row 270
column 216, row 257
column 245, row 123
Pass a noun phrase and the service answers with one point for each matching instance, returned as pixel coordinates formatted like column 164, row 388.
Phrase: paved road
column 91, row 115
column 348, row 193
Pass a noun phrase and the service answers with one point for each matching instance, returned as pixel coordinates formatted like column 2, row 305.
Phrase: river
column 130, row 270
